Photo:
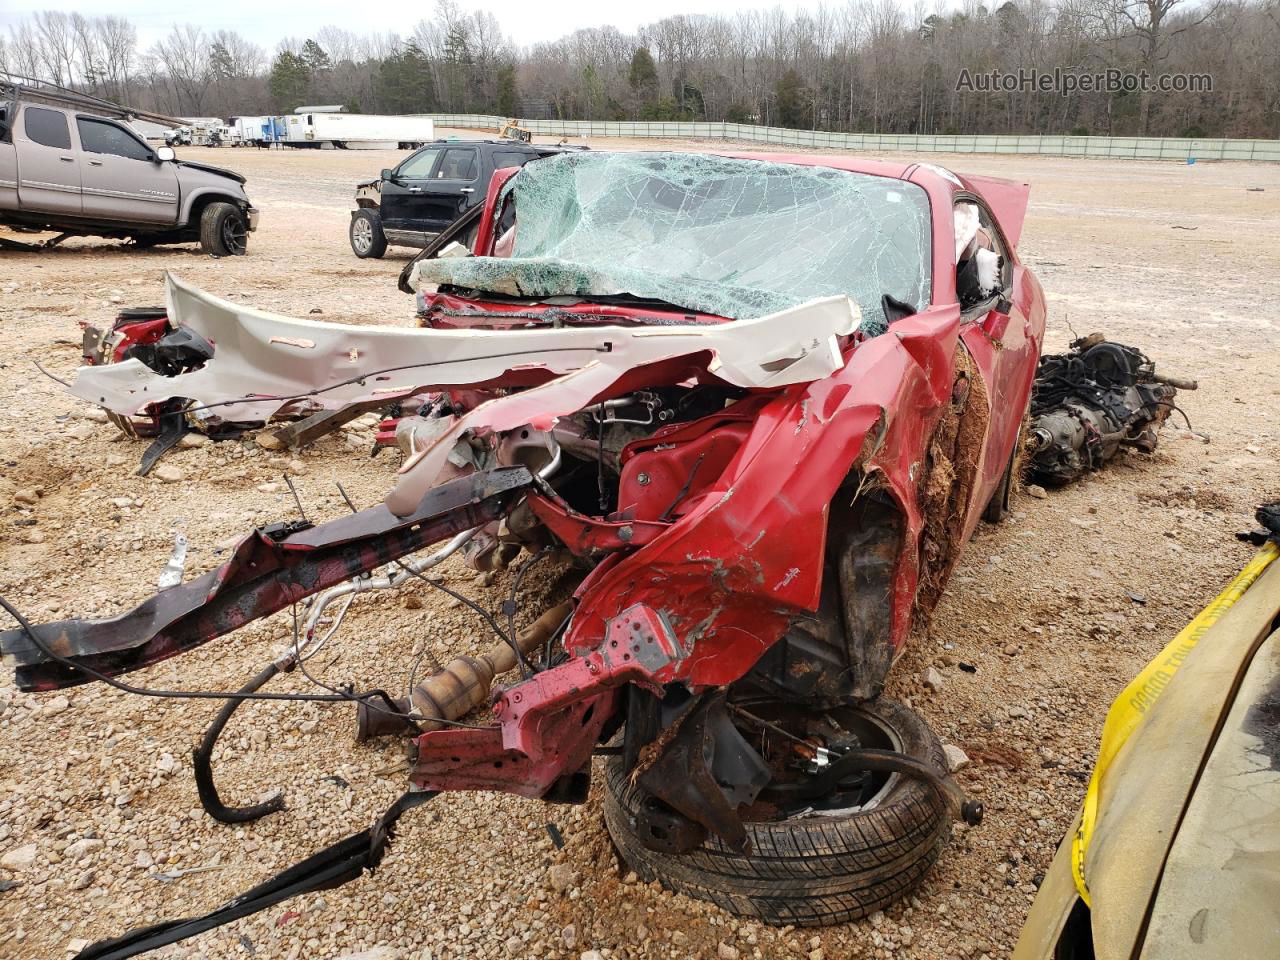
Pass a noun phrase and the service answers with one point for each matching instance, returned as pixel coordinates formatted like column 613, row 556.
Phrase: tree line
column 865, row 66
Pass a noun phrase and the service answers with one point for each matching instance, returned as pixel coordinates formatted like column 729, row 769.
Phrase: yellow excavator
column 511, row 130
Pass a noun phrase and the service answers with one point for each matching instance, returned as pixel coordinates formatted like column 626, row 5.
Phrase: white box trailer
column 251, row 131
column 357, row 131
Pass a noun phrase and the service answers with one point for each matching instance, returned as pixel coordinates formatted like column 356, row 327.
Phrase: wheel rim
column 234, row 234
column 362, row 235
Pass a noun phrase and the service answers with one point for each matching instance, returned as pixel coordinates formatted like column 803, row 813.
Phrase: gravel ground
column 1056, row 609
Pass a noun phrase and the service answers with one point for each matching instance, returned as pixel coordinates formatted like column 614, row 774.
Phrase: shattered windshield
column 732, row 237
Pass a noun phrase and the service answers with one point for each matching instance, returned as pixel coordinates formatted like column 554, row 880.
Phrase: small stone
column 167, row 474
column 1011, row 650
column 956, row 758
column 96, row 414
column 34, row 536
column 166, row 763
column 591, row 955
column 27, row 495
column 120, row 502
column 84, row 881
column 20, row 858
column 190, row 441
column 1018, row 713
column 76, row 944
column 1037, row 491
column 269, row 441
column 377, row 953
column 561, row 877
column 82, row 848
column 569, row 936
column 144, row 860
column 297, row 467
column 932, row 679
column 513, row 945
column 817, row 954
column 56, row 706
column 726, row 952
column 271, row 487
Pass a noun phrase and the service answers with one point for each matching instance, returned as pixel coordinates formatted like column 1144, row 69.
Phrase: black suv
column 410, row 205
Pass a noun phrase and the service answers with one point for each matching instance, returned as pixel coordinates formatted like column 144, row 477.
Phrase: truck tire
column 223, row 231
column 806, row 872
column 366, row 236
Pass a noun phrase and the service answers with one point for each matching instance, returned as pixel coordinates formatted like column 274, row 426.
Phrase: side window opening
column 99, row 136
column 458, row 164
column 418, row 166
column 981, row 263
column 505, row 228
column 510, row 158
column 47, row 128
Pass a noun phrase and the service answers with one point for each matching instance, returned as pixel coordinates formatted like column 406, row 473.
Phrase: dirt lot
column 1055, row 609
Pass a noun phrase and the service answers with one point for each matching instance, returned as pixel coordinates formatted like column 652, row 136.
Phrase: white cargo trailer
column 251, row 131
column 357, row 131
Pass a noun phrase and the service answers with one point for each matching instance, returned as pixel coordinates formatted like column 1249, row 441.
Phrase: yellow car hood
column 1187, row 828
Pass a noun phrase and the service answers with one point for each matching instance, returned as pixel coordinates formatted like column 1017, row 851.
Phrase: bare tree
column 184, row 57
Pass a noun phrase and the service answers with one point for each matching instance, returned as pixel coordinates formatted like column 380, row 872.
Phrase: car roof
column 1007, row 198
column 468, row 143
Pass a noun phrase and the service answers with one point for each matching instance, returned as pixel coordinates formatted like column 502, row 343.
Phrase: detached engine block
column 1091, row 401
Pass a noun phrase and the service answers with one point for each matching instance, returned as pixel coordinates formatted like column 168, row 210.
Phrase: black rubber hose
column 883, row 761
column 202, row 756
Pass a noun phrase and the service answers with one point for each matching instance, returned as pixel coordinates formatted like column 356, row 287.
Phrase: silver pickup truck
column 66, row 167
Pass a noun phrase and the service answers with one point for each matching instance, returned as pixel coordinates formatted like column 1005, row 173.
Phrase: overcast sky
column 525, row 21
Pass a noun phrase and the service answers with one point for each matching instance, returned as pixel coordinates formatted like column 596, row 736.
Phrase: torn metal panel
column 270, row 569
column 265, row 364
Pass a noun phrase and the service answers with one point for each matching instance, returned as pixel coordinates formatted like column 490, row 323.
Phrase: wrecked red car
column 757, row 403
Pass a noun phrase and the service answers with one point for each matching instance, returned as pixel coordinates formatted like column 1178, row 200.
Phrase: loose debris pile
column 1091, row 402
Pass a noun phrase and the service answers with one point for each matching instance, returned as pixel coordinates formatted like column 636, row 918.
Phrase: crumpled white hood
column 265, row 364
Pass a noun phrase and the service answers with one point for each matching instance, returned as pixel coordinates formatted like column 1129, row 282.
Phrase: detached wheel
column 809, row 869
column 223, row 231
column 367, row 239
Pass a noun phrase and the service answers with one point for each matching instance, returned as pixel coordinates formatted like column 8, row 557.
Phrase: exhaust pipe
column 460, row 687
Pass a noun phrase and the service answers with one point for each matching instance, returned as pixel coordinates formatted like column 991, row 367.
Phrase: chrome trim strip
column 41, row 185
column 159, row 198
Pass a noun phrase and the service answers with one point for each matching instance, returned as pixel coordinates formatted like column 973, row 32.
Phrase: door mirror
column 165, row 154
column 388, row 174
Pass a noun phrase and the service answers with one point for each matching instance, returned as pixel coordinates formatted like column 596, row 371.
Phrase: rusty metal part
column 312, row 428
column 707, row 772
column 461, row 686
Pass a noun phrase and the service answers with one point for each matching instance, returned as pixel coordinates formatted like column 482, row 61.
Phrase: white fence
column 1129, row 148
